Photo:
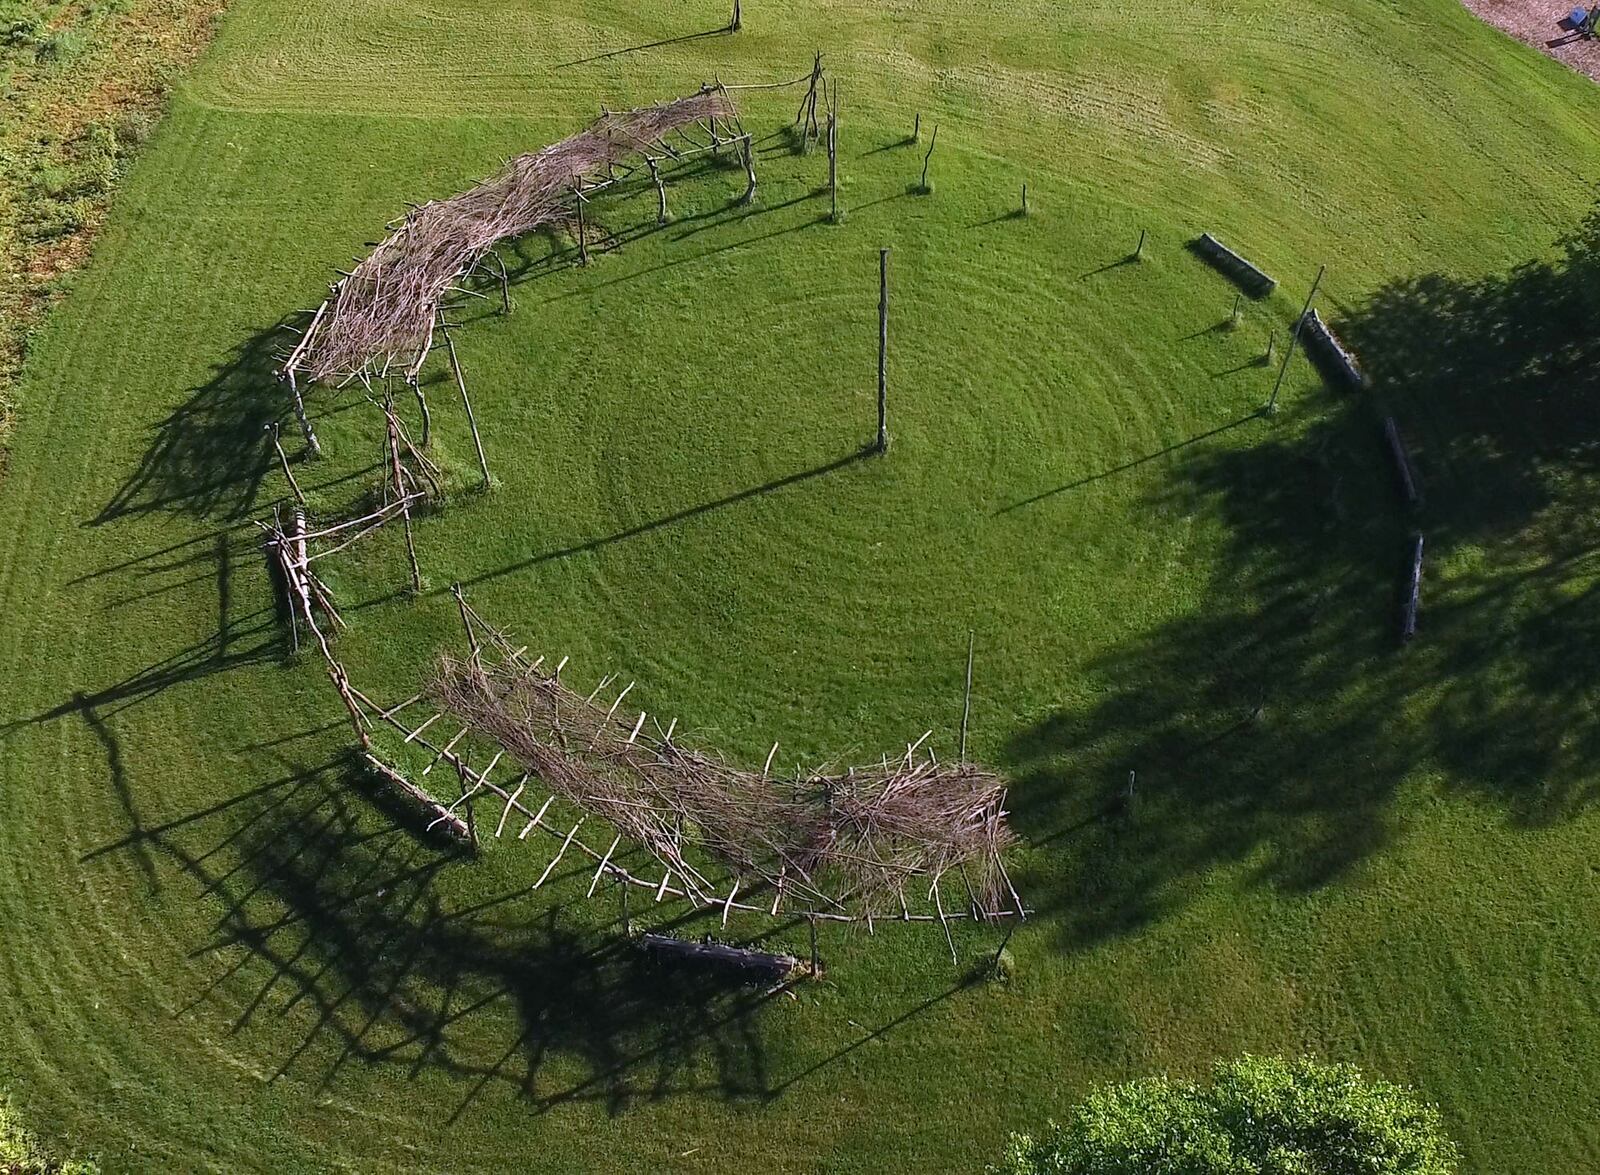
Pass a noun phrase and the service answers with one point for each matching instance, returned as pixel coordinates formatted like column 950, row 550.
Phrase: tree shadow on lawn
column 350, row 916
column 1275, row 724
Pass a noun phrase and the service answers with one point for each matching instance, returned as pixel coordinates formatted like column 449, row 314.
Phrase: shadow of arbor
column 1276, row 724
column 209, row 457
column 328, row 908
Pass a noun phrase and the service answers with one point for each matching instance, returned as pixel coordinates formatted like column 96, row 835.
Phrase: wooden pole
column 661, row 190
column 1272, row 346
column 833, row 151
column 1138, row 252
column 883, row 351
column 933, row 142
column 1233, row 315
column 461, row 775
column 583, row 236
column 422, row 404
column 1024, row 199
column 816, row 961
column 1294, row 340
column 737, row 22
column 749, row 170
column 916, row 128
column 284, row 461
column 966, row 702
column 305, row 421
column 401, row 491
column 461, row 383
column 505, row 293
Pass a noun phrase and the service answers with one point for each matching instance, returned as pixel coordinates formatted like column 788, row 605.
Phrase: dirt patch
column 1542, row 24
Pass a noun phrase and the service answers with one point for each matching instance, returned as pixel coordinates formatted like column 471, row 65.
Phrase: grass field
column 220, row 952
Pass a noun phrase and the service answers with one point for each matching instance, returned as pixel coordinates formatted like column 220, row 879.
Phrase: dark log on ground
column 1408, row 619
column 1326, row 347
column 438, row 815
column 1251, row 277
column 1402, row 462
column 757, row 966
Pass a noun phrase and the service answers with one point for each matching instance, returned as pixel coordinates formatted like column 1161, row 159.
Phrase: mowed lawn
column 219, row 950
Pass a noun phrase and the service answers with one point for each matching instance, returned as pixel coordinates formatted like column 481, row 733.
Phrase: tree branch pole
column 966, row 704
column 422, row 403
column 883, row 351
column 583, row 236
column 932, row 143
column 284, row 460
column 748, row 157
column 1294, row 340
column 661, row 190
column 401, row 491
column 305, row 421
column 833, row 149
column 461, row 383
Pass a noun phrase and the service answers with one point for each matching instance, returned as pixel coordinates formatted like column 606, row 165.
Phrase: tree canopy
column 1259, row 1116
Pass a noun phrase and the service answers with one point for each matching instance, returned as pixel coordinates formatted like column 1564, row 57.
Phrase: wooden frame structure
column 385, row 317
column 855, row 873
column 856, row 846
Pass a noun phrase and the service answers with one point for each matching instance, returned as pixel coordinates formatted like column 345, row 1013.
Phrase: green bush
column 61, row 48
column 22, row 1154
column 1259, row 1116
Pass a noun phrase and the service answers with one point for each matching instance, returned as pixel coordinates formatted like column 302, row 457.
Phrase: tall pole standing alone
column 966, row 704
column 883, row 350
column 461, row 383
column 1294, row 339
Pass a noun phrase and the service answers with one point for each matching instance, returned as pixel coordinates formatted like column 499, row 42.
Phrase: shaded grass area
column 1332, row 845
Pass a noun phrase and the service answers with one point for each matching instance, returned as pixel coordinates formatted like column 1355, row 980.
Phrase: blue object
column 1578, row 17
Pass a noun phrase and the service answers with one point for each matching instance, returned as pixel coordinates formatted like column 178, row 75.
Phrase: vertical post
column 661, row 190
column 401, row 491
column 422, row 403
column 737, row 22
column 916, row 128
column 883, row 351
column 1294, row 340
column 1138, row 251
column 833, row 151
column 749, row 169
column 461, row 383
column 461, row 776
column 505, row 291
column 583, row 236
column 284, row 460
column 1024, row 199
column 305, row 421
column 932, row 143
column 1233, row 315
column 1272, row 346
column 966, row 703
column 627, row 922
column 816, row 961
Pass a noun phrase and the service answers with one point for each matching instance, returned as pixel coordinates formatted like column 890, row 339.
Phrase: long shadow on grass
column 209, row 457
column 1275, row 725
column 666, row 520
column 338, row 919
